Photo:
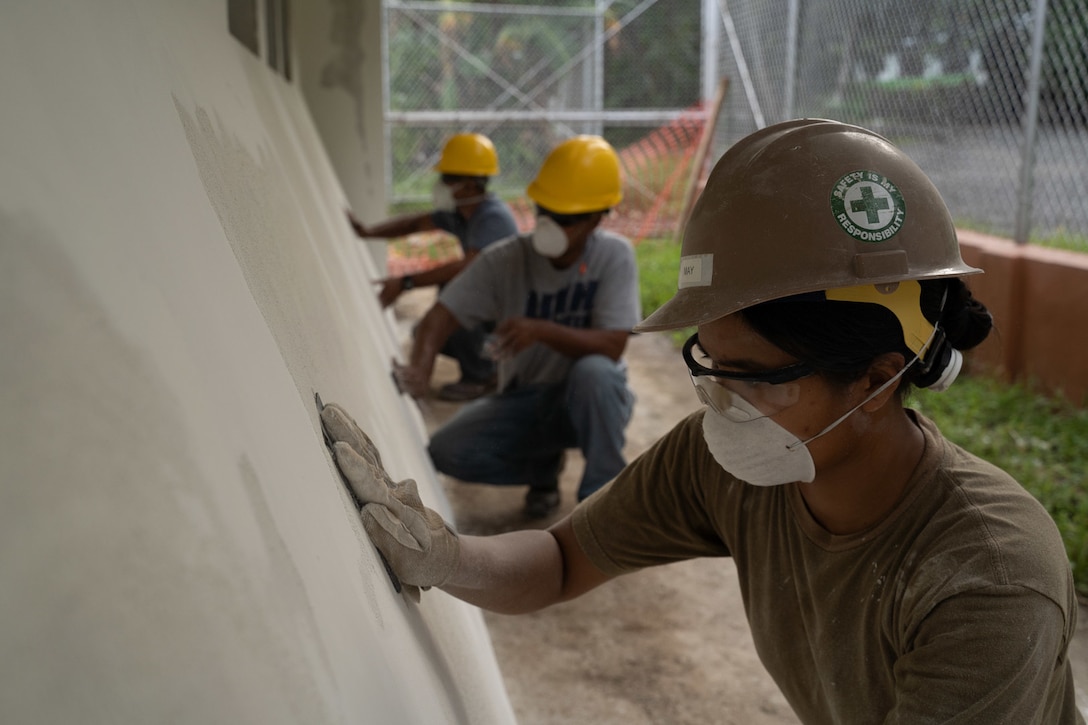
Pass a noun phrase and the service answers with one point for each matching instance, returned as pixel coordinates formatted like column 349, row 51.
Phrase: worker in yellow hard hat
column 888, row 575
column 464, row 208
column 564, row 298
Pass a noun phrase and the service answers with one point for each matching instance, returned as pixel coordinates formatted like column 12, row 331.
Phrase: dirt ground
column 664, row 645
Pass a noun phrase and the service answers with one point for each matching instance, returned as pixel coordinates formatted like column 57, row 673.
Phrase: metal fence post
column 792, row 15
column 711, row 47
column 1031, row 119
column 597, row 102
column 742, row 65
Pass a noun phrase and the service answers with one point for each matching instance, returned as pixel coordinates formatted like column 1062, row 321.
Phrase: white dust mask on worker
column 442, row 197
column 549, row 239
column 763, row 453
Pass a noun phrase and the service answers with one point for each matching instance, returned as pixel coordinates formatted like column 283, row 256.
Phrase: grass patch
column 658, row 271
column 1060, row 238
column 1041, row 441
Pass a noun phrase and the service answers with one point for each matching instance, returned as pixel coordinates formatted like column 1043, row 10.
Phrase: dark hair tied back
column 841, row 339
column 966, row 321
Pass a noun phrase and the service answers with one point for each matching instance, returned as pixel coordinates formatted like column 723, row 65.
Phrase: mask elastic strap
column 850, row 412
column 891, row 381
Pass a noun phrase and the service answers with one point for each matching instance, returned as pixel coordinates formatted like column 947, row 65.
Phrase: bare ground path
column 664, row 645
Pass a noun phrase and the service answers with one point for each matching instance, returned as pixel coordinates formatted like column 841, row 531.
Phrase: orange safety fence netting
column 657, row 172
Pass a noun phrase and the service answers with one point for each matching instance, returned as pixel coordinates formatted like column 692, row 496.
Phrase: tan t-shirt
column 958, row 607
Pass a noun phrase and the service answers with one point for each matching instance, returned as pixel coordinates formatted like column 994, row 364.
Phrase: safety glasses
column 742, row 396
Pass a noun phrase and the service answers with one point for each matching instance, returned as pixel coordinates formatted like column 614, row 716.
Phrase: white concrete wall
column 176, row 282
column 338, row 66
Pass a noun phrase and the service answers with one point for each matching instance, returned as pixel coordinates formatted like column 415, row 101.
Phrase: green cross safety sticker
column 867, row 206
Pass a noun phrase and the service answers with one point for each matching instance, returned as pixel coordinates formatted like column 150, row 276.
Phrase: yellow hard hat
column 468, row 154
column 580, row 175
column 805, row 206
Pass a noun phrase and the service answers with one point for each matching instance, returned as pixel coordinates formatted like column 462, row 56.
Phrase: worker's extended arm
column 431, row 334
column 523, row 571
column 396, row 227
column 517, row 333
column 516, row 572
column 393, row 287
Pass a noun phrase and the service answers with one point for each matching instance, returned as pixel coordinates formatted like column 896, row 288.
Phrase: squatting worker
column 887, row 574
column 564, row 298
column 464, row 208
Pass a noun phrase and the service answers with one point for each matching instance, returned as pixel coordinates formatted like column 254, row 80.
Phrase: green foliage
column 910, row 99
column 442, row 58
column 1059, row 238
column 658, row 270
column 918, row 84
column 653, row 61
column 1041, row 441
column 982, row 46
column 1062, row 239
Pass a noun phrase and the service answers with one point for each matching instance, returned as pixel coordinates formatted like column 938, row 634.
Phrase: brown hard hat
column 803, row 206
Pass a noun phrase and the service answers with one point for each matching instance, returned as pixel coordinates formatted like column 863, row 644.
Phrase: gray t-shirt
column 491, row 222
column 508, row 279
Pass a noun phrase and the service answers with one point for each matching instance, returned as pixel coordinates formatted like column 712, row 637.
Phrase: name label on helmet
column 868, row 206
column 696, row 270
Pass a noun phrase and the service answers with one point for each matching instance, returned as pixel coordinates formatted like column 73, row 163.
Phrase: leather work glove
column 421, row 548
column 338, row 426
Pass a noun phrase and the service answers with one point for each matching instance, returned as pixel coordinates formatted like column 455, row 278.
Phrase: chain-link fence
column 530, row 75
column 990, row 97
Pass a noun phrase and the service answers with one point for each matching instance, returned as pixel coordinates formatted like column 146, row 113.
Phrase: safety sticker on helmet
column 868, row 206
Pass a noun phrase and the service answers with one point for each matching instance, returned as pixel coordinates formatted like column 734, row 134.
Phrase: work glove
column 338, row 426
column 422, row 550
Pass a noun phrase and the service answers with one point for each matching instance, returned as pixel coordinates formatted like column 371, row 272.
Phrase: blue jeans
column 466, row 347
column 517, row 437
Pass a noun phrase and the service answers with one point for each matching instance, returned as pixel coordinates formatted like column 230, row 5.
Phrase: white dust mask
column 549, row 239
column 758, row 451
column 442, row 197
column 763, row 453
